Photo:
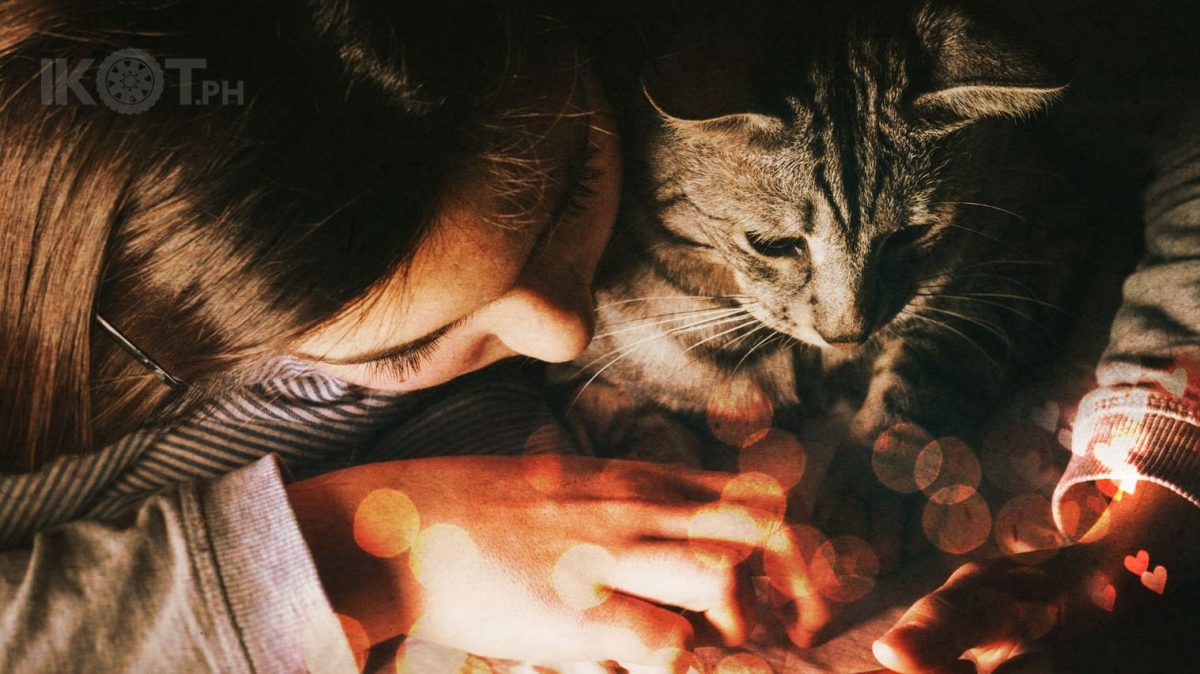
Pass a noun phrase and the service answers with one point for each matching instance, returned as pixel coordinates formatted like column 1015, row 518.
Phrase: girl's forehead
column 478, row 241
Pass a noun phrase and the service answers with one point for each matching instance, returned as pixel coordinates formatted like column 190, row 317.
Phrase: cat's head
column 823, row 163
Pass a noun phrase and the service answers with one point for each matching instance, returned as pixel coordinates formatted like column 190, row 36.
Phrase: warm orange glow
column 442, row 546
column 1083, row 512
column 959, row 527
column 357, row 637
column 722, row 523
column 947, row 471
column 894, row 458
column 549, row 439
column 1101, row 591
column 547, row 474
column 417, row 656
column 1115, row 456
column 756, row 490
column 743, row 663
column 577, row 575
column 1137, row 564
column 1025, row 524
column 672, row 658
column 787, row 569
column 778, row 454
column 386, row 523
column 844, row 569
column 1155, row 581
column 739, row 413
column 323, row 653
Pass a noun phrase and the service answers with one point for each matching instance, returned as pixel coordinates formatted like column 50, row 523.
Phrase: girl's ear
column 973, row 73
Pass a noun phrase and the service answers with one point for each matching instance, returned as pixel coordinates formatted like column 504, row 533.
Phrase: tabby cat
column 831, row 202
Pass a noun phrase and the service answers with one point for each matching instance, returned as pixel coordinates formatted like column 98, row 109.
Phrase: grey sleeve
column 1143, row 420
column 204, row 578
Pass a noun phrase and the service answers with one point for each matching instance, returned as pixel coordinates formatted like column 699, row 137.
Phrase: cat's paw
column 657, row 438
column 601, row 418
column 881, row 409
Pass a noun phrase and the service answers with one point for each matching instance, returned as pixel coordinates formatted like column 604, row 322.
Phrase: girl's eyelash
column 406, row 365
column 583, row 184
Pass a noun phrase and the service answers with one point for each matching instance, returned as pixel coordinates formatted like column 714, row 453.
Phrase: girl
column 401, row 194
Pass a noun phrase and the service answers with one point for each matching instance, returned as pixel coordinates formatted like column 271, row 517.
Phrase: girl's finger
column 633, row 631
column 705, row 578
column 745, row 530
column 965, row 613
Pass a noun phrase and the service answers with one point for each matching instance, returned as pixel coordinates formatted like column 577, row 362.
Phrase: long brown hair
column 211, row 235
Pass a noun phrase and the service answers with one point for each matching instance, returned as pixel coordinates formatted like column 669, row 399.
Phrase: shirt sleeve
column 204, row 577
column 1143, row 420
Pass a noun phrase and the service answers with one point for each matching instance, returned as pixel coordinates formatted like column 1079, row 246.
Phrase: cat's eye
column 909, row 236
column 788, row 245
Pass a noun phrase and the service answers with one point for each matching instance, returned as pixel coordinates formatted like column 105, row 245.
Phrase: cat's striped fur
column 872, row 222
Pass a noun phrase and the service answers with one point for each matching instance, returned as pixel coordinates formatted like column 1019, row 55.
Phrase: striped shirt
column 311, row 421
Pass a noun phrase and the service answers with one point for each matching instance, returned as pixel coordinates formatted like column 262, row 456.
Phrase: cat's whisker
column 1033, row 300
column 986, row 263
column 972, row 230
column 949, row 328
column 697, row 325
column 990, row 206
column 735, row 328
column 986, row 325
column 761, row 343
column 741, row 338
column 999, row 277
column 1001, row 305
column 664, row 319
column 624, row 351
column 734, row 298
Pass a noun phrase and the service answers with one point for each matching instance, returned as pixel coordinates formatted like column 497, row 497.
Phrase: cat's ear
column 710, row 81
column 732, row 124
column 975, row 73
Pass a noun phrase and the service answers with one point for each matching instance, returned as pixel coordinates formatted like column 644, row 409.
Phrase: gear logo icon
column 129, row 81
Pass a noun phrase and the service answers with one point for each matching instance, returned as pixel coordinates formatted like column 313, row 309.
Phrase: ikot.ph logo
column 131, row 81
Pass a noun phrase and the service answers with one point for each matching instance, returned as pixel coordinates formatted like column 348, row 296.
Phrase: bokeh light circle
column 957, row 528
column 947, row 471
column 790, row 551
column 440, row 547
column 894, row 457
column 386, row 523
column 578, row 576
column 722, row 522
column 549, row 439
column 756, row 490
column 778, row 454
column 739, row 413
column 1024, row 525
column 844, row 568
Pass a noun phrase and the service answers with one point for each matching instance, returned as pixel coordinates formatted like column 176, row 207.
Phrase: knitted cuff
column 1134, row 433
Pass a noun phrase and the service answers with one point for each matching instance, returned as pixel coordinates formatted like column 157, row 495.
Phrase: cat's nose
column 848, row 335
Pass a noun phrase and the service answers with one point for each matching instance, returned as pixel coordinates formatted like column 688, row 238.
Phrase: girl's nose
column 551, row 319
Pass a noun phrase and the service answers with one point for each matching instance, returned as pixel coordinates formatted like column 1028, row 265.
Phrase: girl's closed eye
column 405, row 365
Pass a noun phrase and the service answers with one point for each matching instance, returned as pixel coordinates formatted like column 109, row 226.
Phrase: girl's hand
column 550, row 557
column 993, row 612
